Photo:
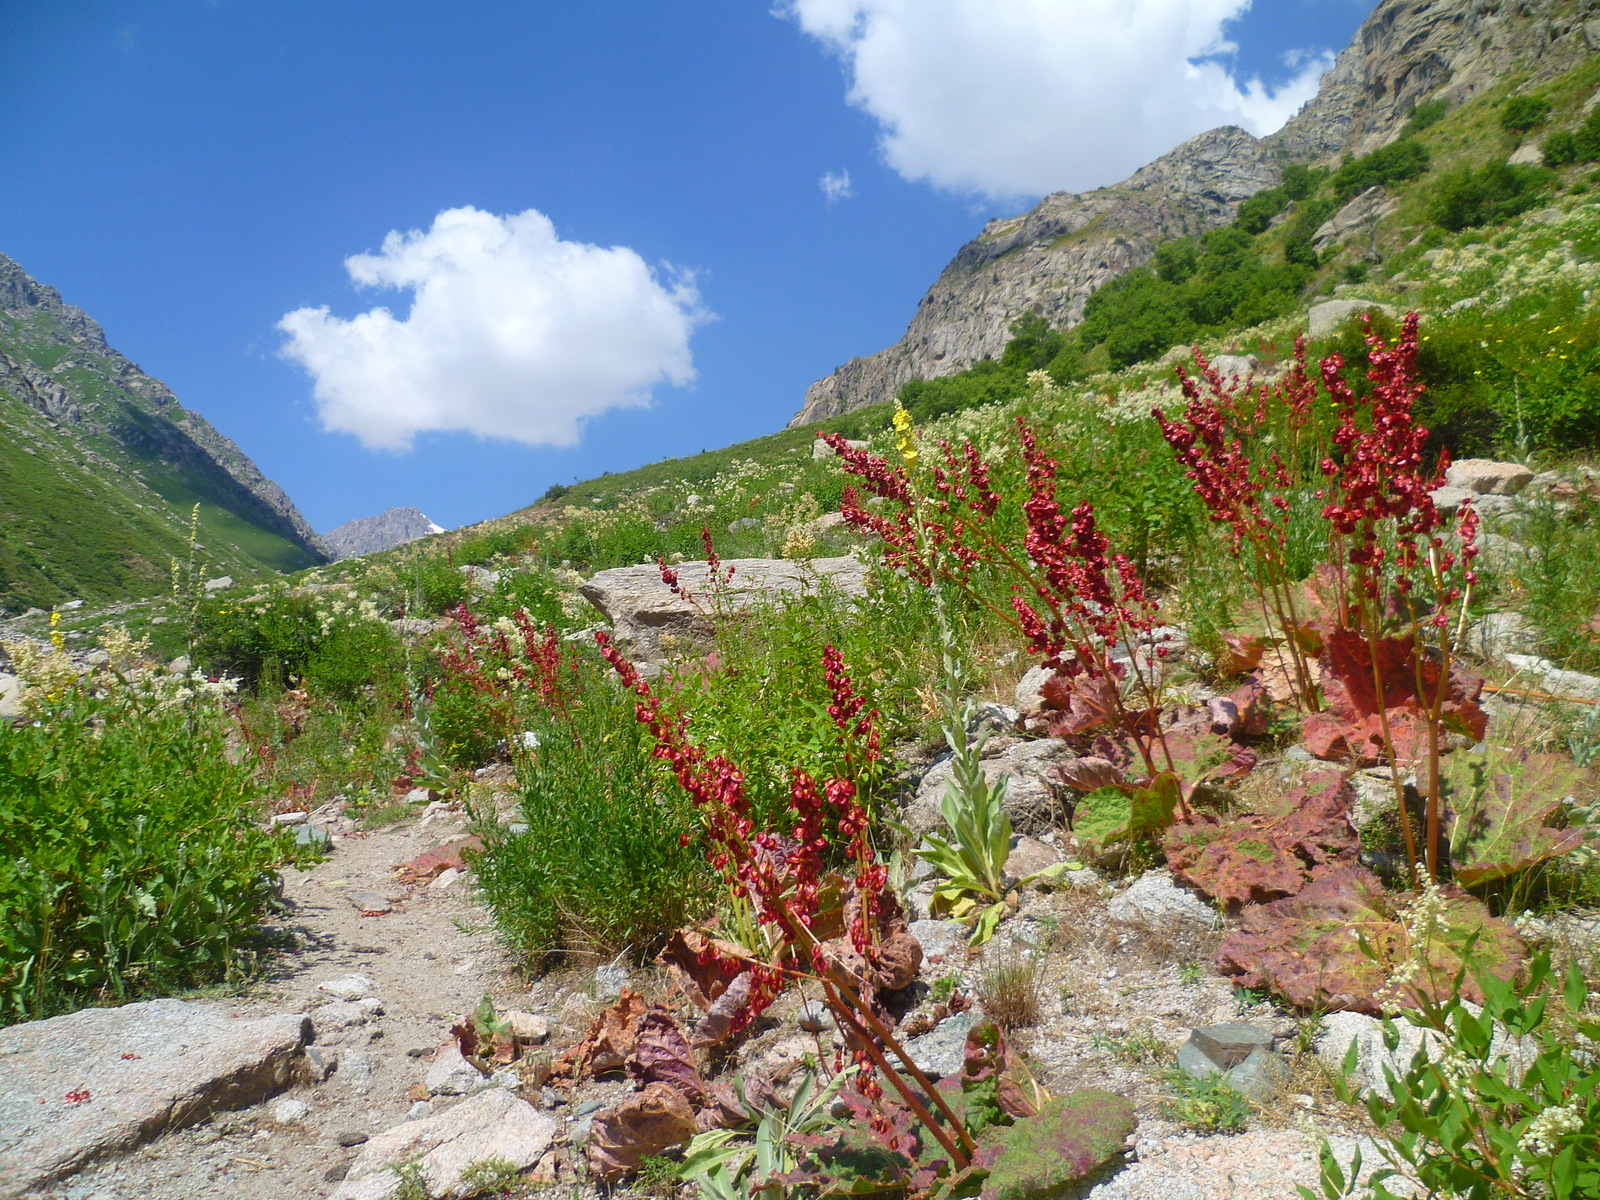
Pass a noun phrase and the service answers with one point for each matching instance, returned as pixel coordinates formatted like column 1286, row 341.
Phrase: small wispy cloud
column 836, row 187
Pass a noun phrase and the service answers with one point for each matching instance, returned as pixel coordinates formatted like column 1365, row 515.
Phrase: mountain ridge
column 1052, row 258
column 124, row 451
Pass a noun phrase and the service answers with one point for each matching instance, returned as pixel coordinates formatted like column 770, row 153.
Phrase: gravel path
column 1115, row 1005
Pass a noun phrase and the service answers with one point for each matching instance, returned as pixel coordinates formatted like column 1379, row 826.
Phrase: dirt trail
column 433, row 956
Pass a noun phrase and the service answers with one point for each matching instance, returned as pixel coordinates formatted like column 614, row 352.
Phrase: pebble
column 287, row 1112
column 356, row 1071
column 284, row 820
column 444, row 880
column 813, row 1016
column 420, row 1110
column 371, row 903
column 350, row 1137
column 349, row 987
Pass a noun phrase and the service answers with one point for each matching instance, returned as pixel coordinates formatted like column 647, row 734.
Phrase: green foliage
column 599, row 867
column 322, row 637
column 1395, row 163
column 1191, row 288
column 1034, row 346
column 973, row 858
column 1559, row 149
column 1207, row 1104
column 1521, row 113
column 1465, row 197
column 1425, row 116
column 1256, row 213
column 1470, row 1117
column 130, row 861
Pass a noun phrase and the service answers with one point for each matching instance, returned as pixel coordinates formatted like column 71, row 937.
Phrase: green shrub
column 1559, row 149
column 327, row 638
column 130, row 861
column 1394, row 163
column 1494, row 192
column 1424, row 116
column 1521, row 113
column 610, row 859
column 1586, row 138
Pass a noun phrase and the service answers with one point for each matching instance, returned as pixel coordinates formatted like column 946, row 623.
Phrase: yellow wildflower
column 905, row 439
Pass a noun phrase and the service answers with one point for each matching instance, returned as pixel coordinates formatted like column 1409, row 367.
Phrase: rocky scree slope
column 68, row 400
column 1051, row 259
column 368, row 535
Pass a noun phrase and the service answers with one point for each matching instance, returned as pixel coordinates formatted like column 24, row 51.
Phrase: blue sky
column 624, row 246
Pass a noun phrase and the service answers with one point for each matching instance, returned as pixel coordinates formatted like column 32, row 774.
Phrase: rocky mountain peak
column 368, row 535
column 1052, row 258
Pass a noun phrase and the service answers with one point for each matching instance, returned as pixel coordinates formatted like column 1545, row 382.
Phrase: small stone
column 941, row 939
column 356, row 1071
column 337, row 1172
column 287, row 1112
column 813, row 1016
column 1155, row 902
column 609, row 981
column 284, row 820
column 349, row 987
column 338, row 1016
column 940, row 1052
column 418, row 796
column 419, row 1110
column 371, row 1006
column 370, row 903
column 351, row 1137
column 451, row 1074
column 310, row 835
column 444, row 879
column 320, row 1062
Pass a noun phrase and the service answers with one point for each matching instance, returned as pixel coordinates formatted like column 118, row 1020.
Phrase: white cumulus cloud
column 1022, row 97
column 512, row 333
column 836, row 187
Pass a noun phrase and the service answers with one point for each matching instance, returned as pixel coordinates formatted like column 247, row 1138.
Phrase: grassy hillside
column 100, row 470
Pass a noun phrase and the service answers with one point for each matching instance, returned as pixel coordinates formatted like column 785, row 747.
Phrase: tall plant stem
column 1370, row 633
column 961, row 1153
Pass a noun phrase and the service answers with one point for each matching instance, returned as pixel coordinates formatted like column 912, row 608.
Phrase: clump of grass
column 1008, row 991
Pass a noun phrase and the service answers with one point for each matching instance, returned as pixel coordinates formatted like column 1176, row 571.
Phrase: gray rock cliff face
column 1411, row 50
column 1052, row 258
column 368, row 535
column 145, row 418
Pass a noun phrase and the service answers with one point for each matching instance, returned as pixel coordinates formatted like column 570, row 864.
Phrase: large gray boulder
column 1323, row 319
column 1356, row 219
column 648, row 617
column 1485, row 476
column 97, row 1082
column 10, row 697
column 491, row 1125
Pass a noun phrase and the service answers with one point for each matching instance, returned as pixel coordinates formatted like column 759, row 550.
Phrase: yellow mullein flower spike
column 905, row 439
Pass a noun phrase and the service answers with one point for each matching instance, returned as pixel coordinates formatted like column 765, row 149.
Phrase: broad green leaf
column 1501, row 804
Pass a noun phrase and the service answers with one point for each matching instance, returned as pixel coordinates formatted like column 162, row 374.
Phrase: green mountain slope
column 100, row 468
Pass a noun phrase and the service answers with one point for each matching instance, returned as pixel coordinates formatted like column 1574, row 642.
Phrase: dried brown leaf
column 643, row 1125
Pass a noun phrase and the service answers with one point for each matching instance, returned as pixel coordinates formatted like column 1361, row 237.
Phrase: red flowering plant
column 1254, row 498
column 1082, row 609
column 842, row 930
column 1369, row 635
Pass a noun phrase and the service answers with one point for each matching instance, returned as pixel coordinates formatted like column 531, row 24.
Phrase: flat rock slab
column 648, row 617
column 493, row 1124
column 79, row 1087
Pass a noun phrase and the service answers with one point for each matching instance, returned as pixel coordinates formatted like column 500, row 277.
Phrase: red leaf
column 661, row 1054
column 1305, row 947
column 1242, row 652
